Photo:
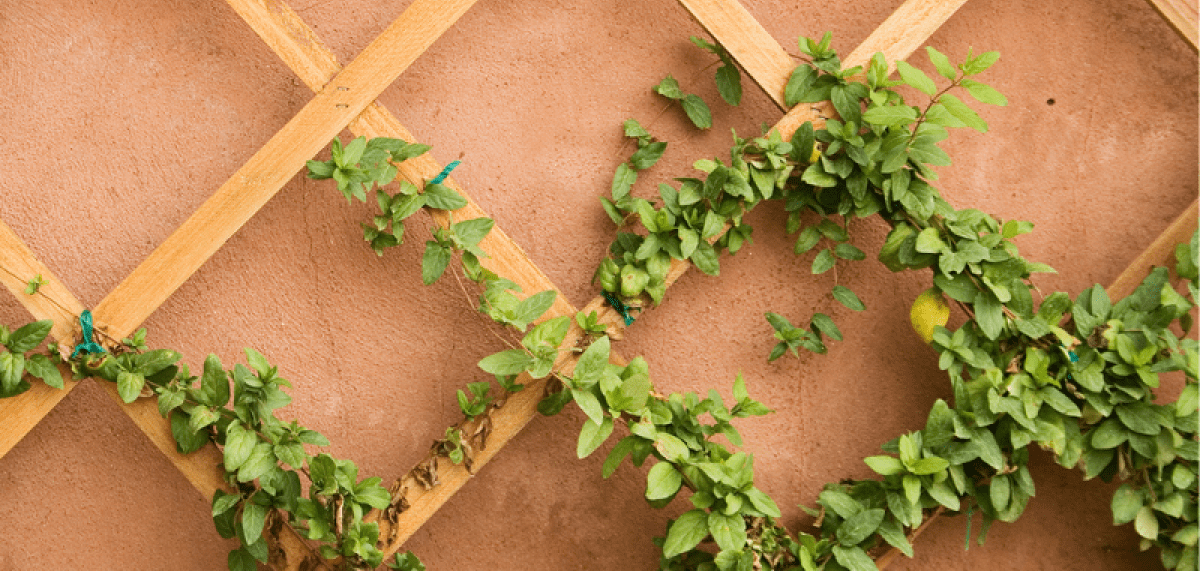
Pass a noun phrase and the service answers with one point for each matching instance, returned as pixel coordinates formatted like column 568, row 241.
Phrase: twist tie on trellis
column 445, row 172
column 87, row 345
column 619, row 306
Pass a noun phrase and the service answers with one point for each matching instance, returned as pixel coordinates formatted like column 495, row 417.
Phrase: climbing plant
column 1074, row 376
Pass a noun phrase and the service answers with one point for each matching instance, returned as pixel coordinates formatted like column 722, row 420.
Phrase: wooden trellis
column 346, row 98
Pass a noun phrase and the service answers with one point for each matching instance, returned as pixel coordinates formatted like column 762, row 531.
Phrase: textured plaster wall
column 120, row 117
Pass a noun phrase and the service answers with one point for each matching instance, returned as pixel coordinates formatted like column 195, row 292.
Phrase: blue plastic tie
column 619, row 306
column 87, row 345
column 445, row 172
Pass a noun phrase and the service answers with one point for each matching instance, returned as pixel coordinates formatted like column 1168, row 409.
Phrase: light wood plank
column 764, row 60
column 1182, row 15
column 21, row 413
column 899, row 35
column 1161, row 252
column 299, row 47
column 276, row 162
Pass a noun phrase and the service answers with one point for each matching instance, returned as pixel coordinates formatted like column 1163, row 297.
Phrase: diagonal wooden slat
column 897, row 37
column 132, row 301
column 764, row 60
column 298, row 46
column 1182, row 15
column 54, row 301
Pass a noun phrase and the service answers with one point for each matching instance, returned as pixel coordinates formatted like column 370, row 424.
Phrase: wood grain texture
column 351, row 91
column 765, row 61
column 1182, row 15
column 53, row 301
column 897, row 37
column 299, row 47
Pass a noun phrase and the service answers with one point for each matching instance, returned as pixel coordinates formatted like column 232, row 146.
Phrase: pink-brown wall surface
column 121, row 116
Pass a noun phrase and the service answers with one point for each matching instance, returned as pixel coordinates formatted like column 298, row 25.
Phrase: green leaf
column 261, row 460
column 823, row 262
column 671, row 447
column 646, row 156
column 634, row 130
column 963, row 113
column 847, row 298
column 214, row 384
column 239, row 442
column 241, row 560
column 885, row 465
column 989, row 314
column 984, row 93
column 980, row 62
column 434, row 262
column 890, row 115
column 472, row 231
column 1125, row 504
column 593, row 435
column 443, row 197
column 669, row 88
column 504, row 363
column 705, row 258
column 854, row 558
column 663, row 481
column 859, row 527
column 686, row 533
column 840, row 502
column 942, row 63
column 622, row 181
column 916, row 78
column 729, row 84
column 41, row 367
column 223, row 502
column 892, row 533
column 535, row 305
column 1146, row 523
column 697, row 111
column 798, row 85
column 729, row 531
column 253, row 518
column 186, row 439
column 929, row 465
column 848, row 251
column 29, row 336
column 825, row 325
column 129, row 385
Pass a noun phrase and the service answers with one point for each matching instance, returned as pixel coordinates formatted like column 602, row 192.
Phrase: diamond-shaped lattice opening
column 297, row 284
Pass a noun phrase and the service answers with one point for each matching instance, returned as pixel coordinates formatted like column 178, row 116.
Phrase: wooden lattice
column 345, row 97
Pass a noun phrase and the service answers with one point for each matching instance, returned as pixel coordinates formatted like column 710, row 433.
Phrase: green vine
column 1072, row 376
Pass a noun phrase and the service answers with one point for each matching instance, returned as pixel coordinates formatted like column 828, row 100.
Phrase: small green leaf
column 729, row 84
column 646, row 156
column 823, row 262
column 942, row 63
column 504, row 363
column 854, row 558
column 984, row 93
column 434, row 262
column 916, row 78
column 686, row 533
column 963, row 113
column 186, row 439
column 847, row 298
column 29, row 336
column 129, row 385
column 697, row 111
column 622, row 181
column 239, row 442
column 253, row 518
column 669, row 88
column 729, row 531
column 241, row 560
column 859, row 527
column 663, row 481
column 1146, row 523
column 885, row 465
column 443, row 197
column 593, row 435
column 41, row 367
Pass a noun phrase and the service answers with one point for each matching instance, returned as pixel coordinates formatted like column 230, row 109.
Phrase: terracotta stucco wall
column 120, row 117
